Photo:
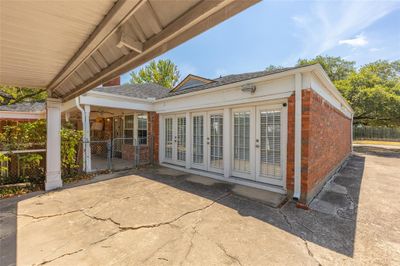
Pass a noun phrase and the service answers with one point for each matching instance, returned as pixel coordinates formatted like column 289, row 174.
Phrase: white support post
column 53, row 154
column 188, row 146
column 297, row 136
column 86, row 138
column 227, row 142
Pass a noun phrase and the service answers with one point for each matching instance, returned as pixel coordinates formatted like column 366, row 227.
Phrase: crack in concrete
column 126, row 228
column 194, row 232
column 45, row 216
column 63, row 255
column 289, row 223
column 310, row 253
column 233, row 258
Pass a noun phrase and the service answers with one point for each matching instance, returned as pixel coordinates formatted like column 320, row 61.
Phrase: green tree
column 374, row 93
column 273, row 67
column 161, row 72
column 336, row 67
column 11, row 95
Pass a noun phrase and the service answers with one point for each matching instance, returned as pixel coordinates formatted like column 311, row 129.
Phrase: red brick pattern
column 326, row 141
column 153, row 132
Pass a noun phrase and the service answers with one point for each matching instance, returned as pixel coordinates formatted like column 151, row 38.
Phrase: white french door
column 215, row 141
column 175, row 139
column 270, row 144
column 258, row 146
column 207, row 141
column 243, row 142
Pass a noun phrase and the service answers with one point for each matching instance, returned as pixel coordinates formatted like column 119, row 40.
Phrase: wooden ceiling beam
column 111, row 22
column 196, row 20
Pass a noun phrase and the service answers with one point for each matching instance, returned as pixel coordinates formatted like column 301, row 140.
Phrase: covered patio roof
column 70, row 47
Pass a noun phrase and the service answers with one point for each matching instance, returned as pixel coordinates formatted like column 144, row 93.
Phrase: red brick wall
column 154, row 131
column 326, row 141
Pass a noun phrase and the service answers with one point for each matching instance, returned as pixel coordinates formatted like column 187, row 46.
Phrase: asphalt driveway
column 162, row 217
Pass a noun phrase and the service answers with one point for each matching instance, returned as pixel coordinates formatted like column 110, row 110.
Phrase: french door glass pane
column 241, row 141
column 168, row 138
column 216, row 141
column 198, row 139
column 181, row 138
column 270, row 146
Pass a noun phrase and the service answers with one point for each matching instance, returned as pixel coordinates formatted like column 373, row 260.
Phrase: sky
column 280, row 32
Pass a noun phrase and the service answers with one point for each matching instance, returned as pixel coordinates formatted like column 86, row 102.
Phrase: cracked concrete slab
column 166, row 217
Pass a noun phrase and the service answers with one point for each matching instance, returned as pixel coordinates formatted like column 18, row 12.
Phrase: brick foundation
column 325, row 143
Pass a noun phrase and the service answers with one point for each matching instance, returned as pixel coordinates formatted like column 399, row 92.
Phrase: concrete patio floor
column 166, row 217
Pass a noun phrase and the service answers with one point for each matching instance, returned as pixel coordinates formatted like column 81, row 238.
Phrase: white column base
column 53, row 181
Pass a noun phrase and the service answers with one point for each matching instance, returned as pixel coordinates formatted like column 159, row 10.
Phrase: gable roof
column 185, row 83
column 230, row 79
column 142, row 91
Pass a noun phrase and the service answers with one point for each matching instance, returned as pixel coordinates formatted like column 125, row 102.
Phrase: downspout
column 297, row 136
column 78, row 105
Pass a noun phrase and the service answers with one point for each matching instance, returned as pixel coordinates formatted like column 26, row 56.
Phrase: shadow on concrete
column 378, row 151
column 330, row 222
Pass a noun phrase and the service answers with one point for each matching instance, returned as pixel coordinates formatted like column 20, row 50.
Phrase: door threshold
column 231, row 179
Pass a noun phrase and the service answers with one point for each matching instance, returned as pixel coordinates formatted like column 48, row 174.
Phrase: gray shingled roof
column 230, row 79
column 143, row 91
column 24, row 107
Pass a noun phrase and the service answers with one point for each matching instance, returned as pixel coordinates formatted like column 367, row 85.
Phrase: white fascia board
column 267, row 90
column 331, row 89
column 116, row 101
column 22, row 115
column 240, row 83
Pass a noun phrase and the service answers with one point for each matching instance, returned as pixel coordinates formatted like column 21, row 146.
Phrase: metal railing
column 376, row 133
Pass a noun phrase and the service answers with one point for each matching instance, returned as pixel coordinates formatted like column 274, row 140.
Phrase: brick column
column 153, row 132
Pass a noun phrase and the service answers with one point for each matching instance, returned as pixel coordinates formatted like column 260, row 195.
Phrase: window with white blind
column 216, row 141
column 168, row 138
column 241, row 141
column 142, row 129
column 198, row 139
column 128, row 129
column 270, row 143
column 181, row 138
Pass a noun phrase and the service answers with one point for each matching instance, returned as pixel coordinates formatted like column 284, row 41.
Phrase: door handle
column 257, row 146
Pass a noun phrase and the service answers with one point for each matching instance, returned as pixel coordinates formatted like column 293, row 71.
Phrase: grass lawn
column 377, row 142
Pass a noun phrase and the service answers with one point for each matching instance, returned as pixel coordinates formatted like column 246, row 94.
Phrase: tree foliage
column 336, row 67
column 373, row 90
column 162, row 72
column 12, row 95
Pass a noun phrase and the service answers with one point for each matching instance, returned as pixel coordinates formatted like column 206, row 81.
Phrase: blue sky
column 280, row 32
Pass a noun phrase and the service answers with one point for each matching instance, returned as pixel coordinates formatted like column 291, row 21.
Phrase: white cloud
column 330, row 23
column 374, row 49
column 358, row 41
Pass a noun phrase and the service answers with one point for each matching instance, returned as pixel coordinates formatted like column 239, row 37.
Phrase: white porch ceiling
column 70, row 47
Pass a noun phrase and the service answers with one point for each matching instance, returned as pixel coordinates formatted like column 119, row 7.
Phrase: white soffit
column 70, row 47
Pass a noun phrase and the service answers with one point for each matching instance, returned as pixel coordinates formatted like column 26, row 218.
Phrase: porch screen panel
column 168, row 138
column 181, row 138
column 216, row 141
column 270, row 146
column 241, row 141
column 198, row 139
